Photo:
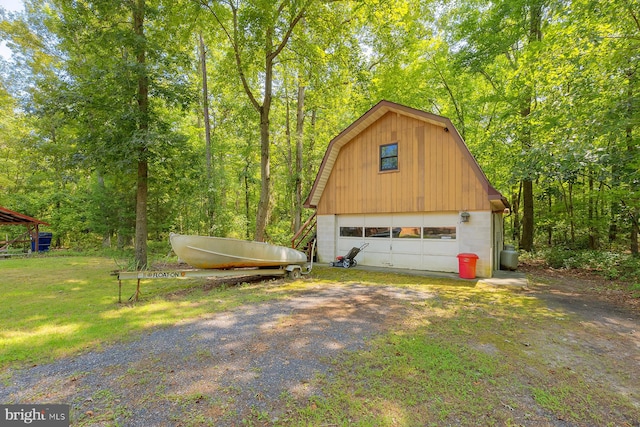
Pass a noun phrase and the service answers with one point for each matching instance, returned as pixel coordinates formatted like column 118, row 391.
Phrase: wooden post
column 137, row 291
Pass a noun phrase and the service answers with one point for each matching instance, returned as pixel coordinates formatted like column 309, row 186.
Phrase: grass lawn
column 471, row 355
column 59, row 306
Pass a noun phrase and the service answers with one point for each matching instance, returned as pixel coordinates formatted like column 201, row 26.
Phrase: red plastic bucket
column 467, row 265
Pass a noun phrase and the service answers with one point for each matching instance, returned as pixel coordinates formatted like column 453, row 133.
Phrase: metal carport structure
column 9, row 217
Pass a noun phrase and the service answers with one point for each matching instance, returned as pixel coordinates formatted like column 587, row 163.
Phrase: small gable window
column 389, row 157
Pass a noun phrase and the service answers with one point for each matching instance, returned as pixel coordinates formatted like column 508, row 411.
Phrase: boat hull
column 221, row 253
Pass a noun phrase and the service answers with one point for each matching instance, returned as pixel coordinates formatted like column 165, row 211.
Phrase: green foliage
column 611, row 265
column 561, row 109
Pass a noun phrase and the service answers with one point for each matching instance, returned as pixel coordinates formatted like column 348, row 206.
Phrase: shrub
column 612, row 265
column 557, row 257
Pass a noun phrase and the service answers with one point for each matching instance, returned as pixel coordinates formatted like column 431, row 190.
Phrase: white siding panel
column 377, row 220
column 350, row 221
column 377, row 253
column 446, row 264
column 407, row 253
column 440, row 247
column 407, row 220
column 441, row 219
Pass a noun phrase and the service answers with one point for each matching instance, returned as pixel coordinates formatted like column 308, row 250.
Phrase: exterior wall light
column 464, row 216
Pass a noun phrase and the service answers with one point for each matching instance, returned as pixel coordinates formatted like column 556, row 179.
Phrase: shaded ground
column 600, row 306
column 606, row 348
column 587, row 284
column 247, row 363
column 258, row 361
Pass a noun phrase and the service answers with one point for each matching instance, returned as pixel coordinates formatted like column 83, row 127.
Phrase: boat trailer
column 293, row 272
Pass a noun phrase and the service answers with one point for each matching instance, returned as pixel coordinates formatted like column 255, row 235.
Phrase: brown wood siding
column 433, row 174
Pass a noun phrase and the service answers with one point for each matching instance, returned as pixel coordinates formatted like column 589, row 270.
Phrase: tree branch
column 292, row 25
column 634, row 17
column 233, row 39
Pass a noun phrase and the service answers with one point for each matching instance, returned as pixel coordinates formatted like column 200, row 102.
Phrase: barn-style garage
column 404, row 181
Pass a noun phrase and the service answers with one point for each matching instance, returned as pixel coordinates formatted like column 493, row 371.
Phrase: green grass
column 469, row 354
column 407, row 380
column 59, row 306
column 472, row 355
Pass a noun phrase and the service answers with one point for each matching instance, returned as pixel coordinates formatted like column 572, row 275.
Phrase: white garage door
column 421, row 242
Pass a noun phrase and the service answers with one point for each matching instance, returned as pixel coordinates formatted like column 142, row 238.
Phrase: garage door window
column 441, row 233
column 377, row 232
column 428, row 233
column 406, row 232
column 350, row 231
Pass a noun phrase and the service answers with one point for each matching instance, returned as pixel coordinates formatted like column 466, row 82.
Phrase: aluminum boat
column 221, row 253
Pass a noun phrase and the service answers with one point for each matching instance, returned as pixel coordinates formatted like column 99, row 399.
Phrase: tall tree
column 508, row 33
column 259, row 26
column 110, row 95
column 533, row 37
column 297, row 211
column 142, row 96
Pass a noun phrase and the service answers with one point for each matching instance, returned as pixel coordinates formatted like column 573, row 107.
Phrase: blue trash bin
column 44, row 242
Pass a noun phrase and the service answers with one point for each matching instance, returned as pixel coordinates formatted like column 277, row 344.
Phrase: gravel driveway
column 248, row 362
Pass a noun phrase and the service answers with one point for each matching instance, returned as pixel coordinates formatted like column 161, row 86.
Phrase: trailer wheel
column 295, row 274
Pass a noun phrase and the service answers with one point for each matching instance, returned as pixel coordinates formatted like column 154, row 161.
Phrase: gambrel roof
column 498, row 201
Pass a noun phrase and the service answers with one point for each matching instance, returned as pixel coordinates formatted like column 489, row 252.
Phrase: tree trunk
column 550, row 211
column 515, row 205
column 613, row 225
column 593, row 239
column 572, row 222
column 535, row 35
column 526, row 240
column 106, row 235
column 297, row 211
column 262, row 217
column 526, row 236
column 210, row 188
column 634, row 232
column 632, row 152
column 290, row 189
column 247, row 204
column 143, row 127
column 205, row 107
column 141, row 216
column 264, row 205
column 311, row 147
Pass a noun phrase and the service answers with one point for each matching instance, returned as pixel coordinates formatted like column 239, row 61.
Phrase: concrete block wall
column 326, row 227
column 475, row 237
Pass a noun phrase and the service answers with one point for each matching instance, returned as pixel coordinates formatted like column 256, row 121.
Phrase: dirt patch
column 252, row 362
column 257, row 363
column 601, row 335
column 584, row 284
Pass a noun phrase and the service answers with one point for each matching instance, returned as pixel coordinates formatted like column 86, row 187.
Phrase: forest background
column 121, row 122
